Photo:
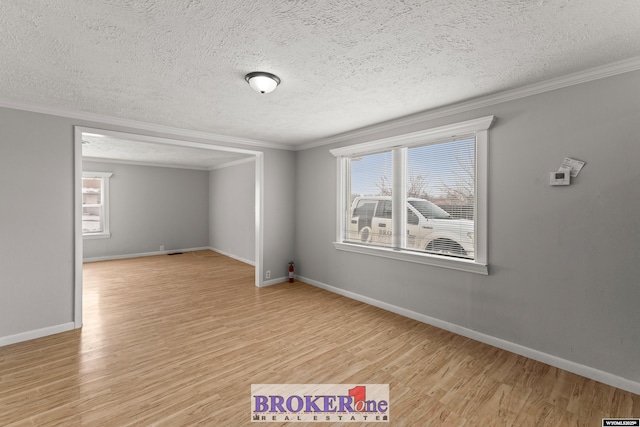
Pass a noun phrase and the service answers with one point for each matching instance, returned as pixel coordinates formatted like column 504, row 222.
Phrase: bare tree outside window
column 384, row 185
column 462, row 191
column 418, row 185
column 458, row 196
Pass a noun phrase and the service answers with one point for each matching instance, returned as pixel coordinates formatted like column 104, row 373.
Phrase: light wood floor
column 178, row 340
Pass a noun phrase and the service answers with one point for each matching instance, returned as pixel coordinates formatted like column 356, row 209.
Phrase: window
column 384, row 209
column 95, row 204
column 419, row 197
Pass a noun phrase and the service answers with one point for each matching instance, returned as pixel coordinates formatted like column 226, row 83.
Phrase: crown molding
column 163, row 165
column 233, row 163
column 425, row 136
column 89, row 174
column 585, row 76
column 138, row 125
column 140, row 163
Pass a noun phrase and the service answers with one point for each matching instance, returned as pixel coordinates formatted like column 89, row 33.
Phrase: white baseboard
column 36, row 333
column 143, row 254
column 567, row 365
column 275, row 281
column 230, row 255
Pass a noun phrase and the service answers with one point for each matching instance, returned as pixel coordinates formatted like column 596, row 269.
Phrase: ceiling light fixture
column 262, row 82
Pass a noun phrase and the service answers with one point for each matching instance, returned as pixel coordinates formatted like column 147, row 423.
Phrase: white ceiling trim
column 233, row 163
column 137, row 163
column 141, row 126
column 428, row 135
column 161, row 140
column 596, row 73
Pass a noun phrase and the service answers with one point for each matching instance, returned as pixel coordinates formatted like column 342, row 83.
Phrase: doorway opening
column 137, row 149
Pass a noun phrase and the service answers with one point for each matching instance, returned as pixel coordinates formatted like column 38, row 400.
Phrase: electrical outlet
column 162, row 247
column 268, row 274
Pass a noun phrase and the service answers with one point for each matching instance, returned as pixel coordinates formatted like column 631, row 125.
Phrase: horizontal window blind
column 440, row 181
column 441, row 192
column 371, row 181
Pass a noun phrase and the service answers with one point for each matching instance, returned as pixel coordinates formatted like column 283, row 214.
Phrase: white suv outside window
column 429, row 227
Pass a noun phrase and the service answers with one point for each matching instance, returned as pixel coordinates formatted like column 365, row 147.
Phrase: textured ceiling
column 344, row 64
column 96, row 147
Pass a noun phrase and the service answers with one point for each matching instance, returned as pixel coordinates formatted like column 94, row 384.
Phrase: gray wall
column 564, row 261
column 279, row 211
column 232, row 210
column 152, row 206
column 36, row 222
column 37, row 254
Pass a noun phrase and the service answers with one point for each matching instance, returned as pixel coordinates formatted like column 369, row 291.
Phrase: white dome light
column 262, row 82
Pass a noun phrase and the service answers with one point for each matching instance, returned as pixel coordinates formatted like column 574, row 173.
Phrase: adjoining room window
column 419, row 197
column 95, row 204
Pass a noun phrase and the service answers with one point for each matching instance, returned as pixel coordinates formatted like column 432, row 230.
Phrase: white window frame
column 476, row 127
column 104, row 218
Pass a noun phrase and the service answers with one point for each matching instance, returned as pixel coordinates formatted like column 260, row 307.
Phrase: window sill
column 96, row 236
column 427, row 259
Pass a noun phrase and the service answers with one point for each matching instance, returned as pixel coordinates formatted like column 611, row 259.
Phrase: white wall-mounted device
column 570, row 168
column 560, row 177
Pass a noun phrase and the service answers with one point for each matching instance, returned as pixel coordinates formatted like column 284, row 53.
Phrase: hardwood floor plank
column 178, row 340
